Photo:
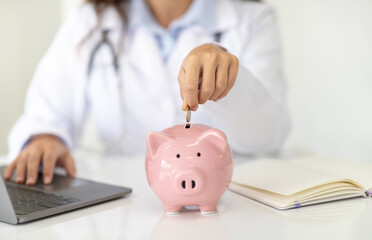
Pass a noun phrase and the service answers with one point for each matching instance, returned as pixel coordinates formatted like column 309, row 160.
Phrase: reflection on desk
column 178, row 227
column 141, row 215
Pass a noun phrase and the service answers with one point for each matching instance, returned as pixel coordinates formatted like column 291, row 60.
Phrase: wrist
column 219, row 46
column 44, row 138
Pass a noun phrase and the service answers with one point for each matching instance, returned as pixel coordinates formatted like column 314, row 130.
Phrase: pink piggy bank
column 189, row 166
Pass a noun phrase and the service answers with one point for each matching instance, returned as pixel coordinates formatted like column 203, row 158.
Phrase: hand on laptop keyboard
column 45, row 149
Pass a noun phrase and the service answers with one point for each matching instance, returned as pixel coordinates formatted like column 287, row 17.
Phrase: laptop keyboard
column 28, row 200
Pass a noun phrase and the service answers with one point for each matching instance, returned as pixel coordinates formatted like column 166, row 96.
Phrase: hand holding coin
column 207, row 73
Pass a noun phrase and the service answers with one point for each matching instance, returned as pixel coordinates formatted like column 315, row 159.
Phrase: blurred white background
column 327, row 61
column 27, row 29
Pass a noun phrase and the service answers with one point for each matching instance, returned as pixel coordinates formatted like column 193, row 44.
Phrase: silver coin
column 188, row 114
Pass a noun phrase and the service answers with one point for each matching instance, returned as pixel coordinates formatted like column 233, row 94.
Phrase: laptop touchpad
column 59, row 183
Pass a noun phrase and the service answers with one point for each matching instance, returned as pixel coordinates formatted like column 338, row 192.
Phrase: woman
column 229, row 49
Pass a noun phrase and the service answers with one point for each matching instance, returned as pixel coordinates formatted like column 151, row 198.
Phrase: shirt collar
column 213, row 15
column 201, row 12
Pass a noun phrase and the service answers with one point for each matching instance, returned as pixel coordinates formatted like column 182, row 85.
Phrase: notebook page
column 280, row 176
column 359, row 172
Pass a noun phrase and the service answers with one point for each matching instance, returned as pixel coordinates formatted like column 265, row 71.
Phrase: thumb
column 184, row 106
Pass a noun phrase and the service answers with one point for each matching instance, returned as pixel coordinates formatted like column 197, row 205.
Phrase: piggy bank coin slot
column 188, row 125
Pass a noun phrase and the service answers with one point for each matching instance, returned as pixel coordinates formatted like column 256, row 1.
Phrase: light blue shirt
column 200, row 12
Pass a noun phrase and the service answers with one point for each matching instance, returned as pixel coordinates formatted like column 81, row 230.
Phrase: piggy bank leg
column 208, row 208
column 172, row 209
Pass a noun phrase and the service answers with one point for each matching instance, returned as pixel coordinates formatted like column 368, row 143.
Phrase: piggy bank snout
column 190, row 182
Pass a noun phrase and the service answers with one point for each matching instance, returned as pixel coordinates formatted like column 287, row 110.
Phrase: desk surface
column 141, row 215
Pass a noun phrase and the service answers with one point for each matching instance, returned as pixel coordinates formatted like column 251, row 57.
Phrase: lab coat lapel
column 146, row 73
column 144, row 56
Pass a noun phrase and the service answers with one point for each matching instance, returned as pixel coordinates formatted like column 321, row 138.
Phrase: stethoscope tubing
column 115, row 63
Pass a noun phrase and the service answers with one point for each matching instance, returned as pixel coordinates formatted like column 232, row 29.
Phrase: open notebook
column 285, row 184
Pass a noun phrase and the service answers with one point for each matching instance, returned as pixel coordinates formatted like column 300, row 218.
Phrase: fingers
column 21, row 168
column 33, row 163
column 189, row 85
column 43, row 148
column 49, row 162
column 184, row 106
column 207, row 86
column 10, row 169
column 232, row 74
column 181, row 79
column 69, row 165
column 221, row 79
column 218, row 70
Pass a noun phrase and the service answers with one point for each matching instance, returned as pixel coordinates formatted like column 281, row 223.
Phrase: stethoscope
column 116, row 66
column 115, row 63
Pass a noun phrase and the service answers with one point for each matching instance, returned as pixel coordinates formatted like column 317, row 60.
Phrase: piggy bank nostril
column 184, row 186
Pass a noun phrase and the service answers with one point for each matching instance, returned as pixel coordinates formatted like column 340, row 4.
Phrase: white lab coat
column 253, row 115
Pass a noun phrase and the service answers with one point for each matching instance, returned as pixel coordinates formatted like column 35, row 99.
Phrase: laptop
column 20, row 203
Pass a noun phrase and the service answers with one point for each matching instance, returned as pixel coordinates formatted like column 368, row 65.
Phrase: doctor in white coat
column 132, row 65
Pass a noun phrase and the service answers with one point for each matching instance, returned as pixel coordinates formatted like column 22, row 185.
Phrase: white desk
column 141, row 215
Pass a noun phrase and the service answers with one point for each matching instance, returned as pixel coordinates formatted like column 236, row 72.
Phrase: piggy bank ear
column 154, row 140
column 214, row 137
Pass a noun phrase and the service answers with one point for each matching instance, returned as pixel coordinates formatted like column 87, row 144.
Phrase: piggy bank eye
column 178, row 156
column 198, row 154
